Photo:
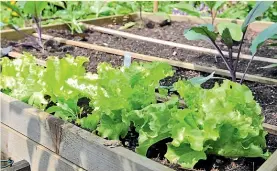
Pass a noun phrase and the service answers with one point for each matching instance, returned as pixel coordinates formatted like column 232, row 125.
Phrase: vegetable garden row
column 168, row 109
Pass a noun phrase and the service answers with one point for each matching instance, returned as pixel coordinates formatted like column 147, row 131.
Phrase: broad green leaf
column 112, row 128
column 65, row 109
column 155, row 127
column 218, row 4
column 201, row 32
column 22, row 76
column 163, row 91
column 90, row 122
column 262, row 37
column 184, row 155
column 184, row 6
column 234, row 30
column 34, row 7
column 37, row 99
column 258, row 10
column 210, row 4
column 227, row 38
column 60, row 71
column 200, row 80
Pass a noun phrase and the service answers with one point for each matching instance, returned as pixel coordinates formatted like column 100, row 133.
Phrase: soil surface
column 266, row 95
column 174, row 33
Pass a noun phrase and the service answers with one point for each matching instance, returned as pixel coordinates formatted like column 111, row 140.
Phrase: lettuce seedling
column 231, row 35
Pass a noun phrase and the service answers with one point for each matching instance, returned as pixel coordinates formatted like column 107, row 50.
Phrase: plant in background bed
column 214, row 6
column 233, row 35
column 34, row 9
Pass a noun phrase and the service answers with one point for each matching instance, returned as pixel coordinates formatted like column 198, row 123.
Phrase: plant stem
column 38, row 29
column 240, row 46
column 222, row 56
column 232, row 71
column 242, row 78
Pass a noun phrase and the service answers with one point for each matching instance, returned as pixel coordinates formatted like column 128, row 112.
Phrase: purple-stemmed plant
column 231, row 35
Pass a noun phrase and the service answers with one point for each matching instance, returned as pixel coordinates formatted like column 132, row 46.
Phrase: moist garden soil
column 174, row 33
column 265, row 94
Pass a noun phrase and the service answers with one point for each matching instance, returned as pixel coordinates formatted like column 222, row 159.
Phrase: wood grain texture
column 153, row 58
column 270, row 164
column 70, row 142
column 155, row 6
column 11, row 34
column 272, row 129
column 20, row 147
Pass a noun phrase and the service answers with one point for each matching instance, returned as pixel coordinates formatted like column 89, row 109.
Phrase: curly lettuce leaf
column 228, row 125
column 58, row 71
column 184, row 155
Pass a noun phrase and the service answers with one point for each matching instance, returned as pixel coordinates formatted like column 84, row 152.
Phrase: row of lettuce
column 224, row 120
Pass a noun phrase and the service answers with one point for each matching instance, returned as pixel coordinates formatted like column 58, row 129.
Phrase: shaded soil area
column 266, row 95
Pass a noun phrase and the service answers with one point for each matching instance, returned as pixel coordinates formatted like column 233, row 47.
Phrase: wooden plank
column 272, row 129
column 152, row 58
column 270, row 164
column 256, row 26
column 155, row 6
column 35, row 124
column 18, row 55
column 173, row 44
column 74, row 144
column 11, row 34
column 20, row 147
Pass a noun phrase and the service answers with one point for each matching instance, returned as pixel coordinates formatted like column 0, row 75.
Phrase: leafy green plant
column 214, row 6
column 34, row 9
column 73, row 12
column 126, row 96
column 230, row 34
column 22, row 77
column 228, row 125
column 186, row 7
column 11, row 14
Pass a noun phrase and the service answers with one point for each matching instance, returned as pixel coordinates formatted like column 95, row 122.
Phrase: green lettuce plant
column 228, row 125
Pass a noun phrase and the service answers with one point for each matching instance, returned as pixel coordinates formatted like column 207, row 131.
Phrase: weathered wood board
column 70, row 142
column 20, row 147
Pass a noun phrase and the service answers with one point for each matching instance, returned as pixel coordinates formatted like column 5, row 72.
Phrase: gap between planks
column 272, row 129
column 175, row 63
column 173, row 44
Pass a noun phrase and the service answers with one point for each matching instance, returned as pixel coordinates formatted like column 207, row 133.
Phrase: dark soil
column 265, row 94
column 174, row 33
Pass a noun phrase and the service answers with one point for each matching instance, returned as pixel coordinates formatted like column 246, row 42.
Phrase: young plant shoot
column 232, row 35
column 34, row 9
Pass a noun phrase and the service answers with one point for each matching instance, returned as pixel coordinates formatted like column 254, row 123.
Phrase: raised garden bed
column 76, row 146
